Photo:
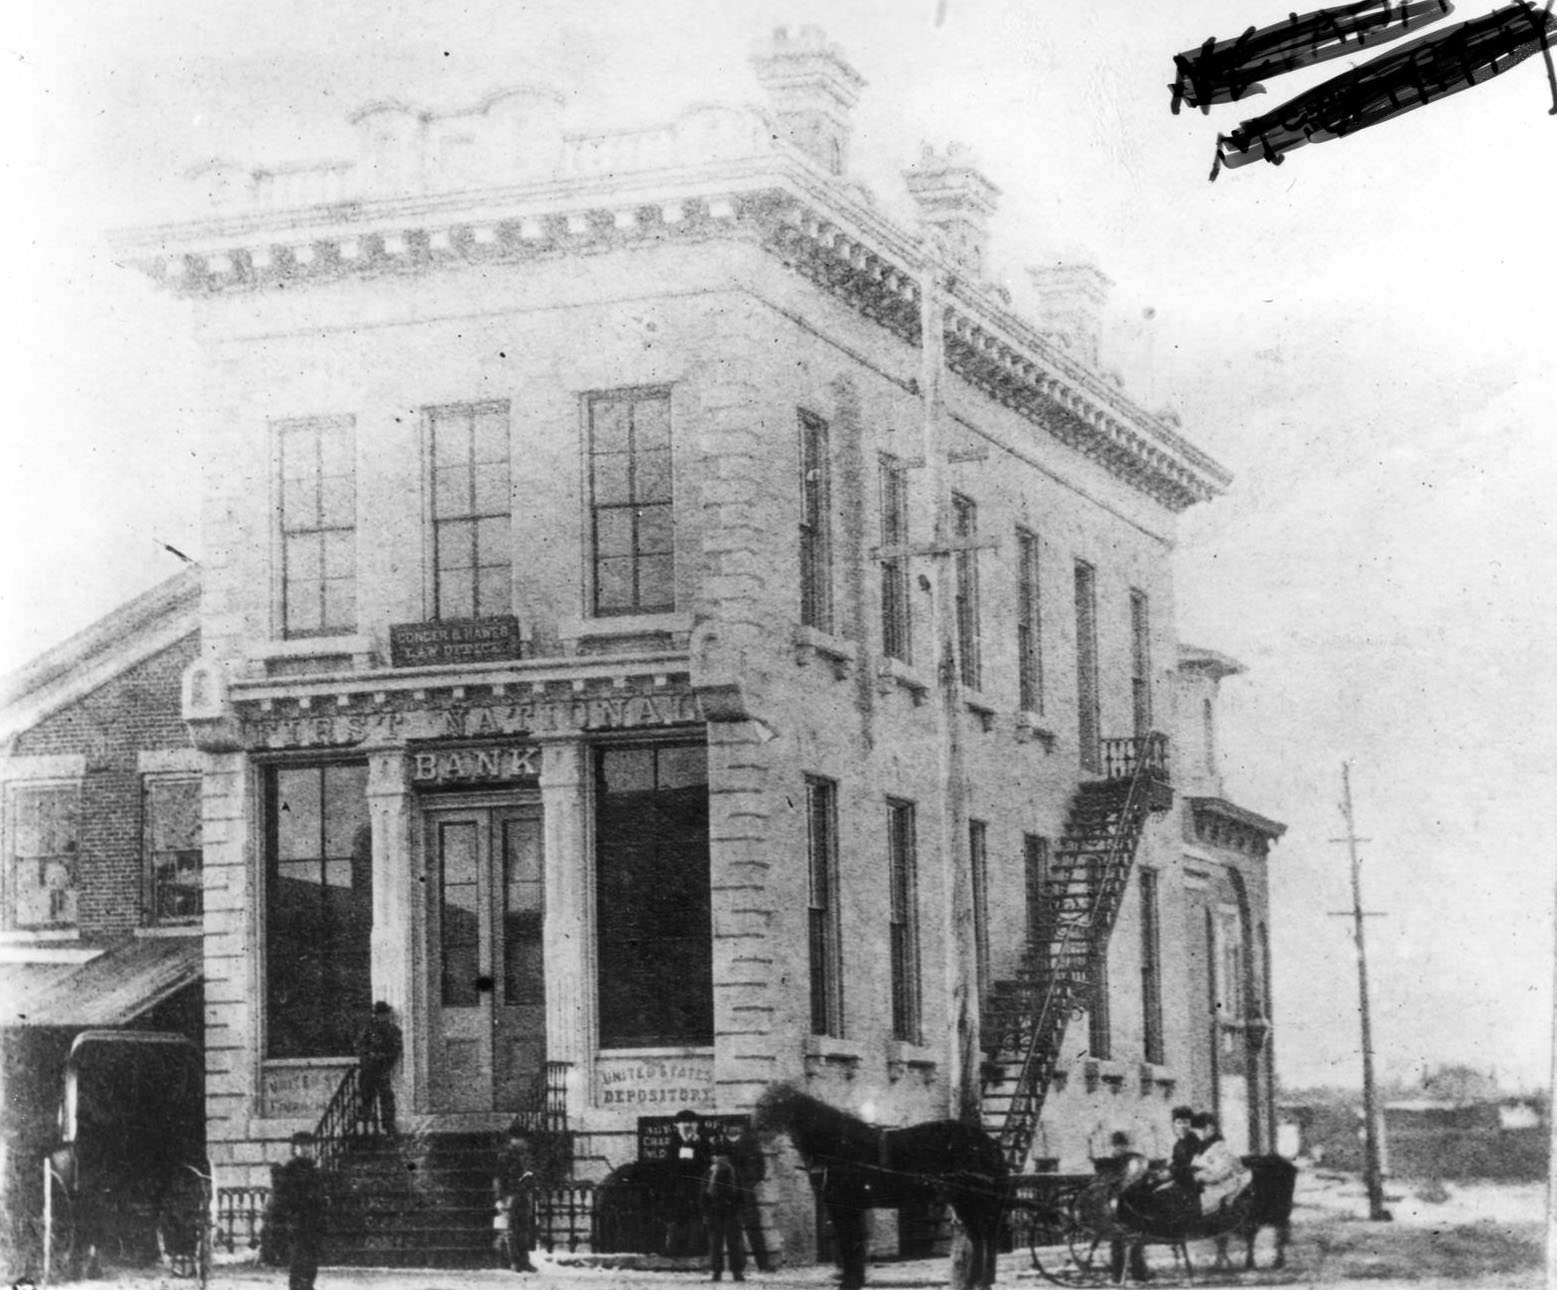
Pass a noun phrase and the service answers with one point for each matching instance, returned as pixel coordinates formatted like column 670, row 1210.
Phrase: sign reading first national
column 462, row 640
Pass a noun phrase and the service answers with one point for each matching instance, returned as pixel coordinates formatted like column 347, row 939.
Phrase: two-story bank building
column 670, row 626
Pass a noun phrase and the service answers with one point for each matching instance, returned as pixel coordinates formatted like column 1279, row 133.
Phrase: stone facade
column 729, row 272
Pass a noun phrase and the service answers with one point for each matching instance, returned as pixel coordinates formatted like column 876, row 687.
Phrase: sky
column 1363, row 335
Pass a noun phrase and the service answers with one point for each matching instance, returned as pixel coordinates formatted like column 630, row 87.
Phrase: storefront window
column 318, row 909
column 656, row 945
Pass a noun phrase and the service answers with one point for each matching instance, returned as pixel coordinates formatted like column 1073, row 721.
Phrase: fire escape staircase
column 1025, row 1017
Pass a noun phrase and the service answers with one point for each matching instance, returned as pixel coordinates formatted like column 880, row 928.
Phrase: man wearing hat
column 298, row 1208
column 688, row 1164
column 378, row 1049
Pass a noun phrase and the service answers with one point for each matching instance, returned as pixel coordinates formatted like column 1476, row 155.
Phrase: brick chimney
column 813, row 91
column 1072, row 295
column 954, row 198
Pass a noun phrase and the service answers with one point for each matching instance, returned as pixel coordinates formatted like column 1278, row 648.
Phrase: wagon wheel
column 1072, row 1254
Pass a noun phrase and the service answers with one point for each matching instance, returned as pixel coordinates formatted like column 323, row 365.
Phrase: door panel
column 488, row 1025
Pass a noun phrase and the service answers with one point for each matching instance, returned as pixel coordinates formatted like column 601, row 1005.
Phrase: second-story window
column 896, row 608
column 318, row 526
column 1029, row 623
column 816, row 537
column 171, row 844
column 825, row 933
column 1087, row 715
column 903, row 878
column 44, row 842
column 1141, row 663
column 965, row 528
column 471, row 508
column 631, row 504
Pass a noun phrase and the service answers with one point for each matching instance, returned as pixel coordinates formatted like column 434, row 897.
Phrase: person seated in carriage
column 1130, row 1179
column 1219, row 1172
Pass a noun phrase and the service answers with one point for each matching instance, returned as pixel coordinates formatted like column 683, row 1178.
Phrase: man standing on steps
column 298, row 1207
column 378, row 1049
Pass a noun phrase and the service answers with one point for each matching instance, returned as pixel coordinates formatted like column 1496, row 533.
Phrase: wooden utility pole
column 1373, row 1174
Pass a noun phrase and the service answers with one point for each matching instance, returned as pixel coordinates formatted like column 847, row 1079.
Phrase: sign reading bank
column 499, row 765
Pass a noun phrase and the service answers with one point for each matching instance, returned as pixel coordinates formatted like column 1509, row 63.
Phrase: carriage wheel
column 1076, row 1257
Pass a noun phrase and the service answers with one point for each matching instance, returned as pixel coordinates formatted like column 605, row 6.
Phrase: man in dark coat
column 378, row 1049
column 515, row 1185
column 688, row 1165
column 721, row 1206
column 750, row 1169
column 298, row 1208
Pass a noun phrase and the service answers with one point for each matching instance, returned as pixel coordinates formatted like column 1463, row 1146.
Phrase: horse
column 855, row 1166
column 1273, row 1180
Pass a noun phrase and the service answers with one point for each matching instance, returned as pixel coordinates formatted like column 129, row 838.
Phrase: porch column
column 397, row 915
column 568, row 933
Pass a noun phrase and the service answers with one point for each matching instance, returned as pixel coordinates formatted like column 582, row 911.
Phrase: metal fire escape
column 1025, row 1017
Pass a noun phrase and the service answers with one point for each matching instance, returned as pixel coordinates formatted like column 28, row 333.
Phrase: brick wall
column 135, row 712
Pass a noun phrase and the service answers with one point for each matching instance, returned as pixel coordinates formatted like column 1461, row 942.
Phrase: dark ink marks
column 1224, row 71
column 1429, row 68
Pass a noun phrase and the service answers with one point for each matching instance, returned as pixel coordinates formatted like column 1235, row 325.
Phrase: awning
column 111, row 989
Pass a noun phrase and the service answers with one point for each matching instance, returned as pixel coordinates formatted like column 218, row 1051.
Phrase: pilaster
column 568, row 930
column 397, row 912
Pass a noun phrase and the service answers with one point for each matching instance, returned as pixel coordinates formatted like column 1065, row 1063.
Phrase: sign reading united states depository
column 614, row 711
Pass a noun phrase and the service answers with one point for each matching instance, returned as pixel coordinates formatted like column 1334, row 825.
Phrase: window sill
column 617, row 625
column 1157, row 1079
column 980, row 707
column 811, row 642
column 824, row 1051
column 904, row 1058
column 1030, row 729
column 893, row 672
column 166, row 931
column 58, row 950
column 360, row 649
column 1097, row 1071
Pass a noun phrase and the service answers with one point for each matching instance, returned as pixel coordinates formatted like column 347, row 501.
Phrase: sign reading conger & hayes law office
column 466, row 640
column 496, row 719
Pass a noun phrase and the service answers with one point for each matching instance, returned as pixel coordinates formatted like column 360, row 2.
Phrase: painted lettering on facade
column 654, row 1082
column 627, row 711
column 476, row 765
column 289, row 1091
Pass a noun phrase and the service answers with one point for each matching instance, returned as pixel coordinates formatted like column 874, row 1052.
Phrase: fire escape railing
column 1143, row 762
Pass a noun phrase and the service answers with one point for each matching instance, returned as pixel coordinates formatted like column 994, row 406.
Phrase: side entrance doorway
column 487, row 1022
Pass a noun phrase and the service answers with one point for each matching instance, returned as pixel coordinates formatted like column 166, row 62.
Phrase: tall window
column 318, row 526
column 1141, row 663
column 816, row 538
column 1231, row 1001
column 1151, row 968
column 902, row 868
column 1029, row 625
column 44, row 841
column 825, row 933
column 1208, row 735
column 978, row 861
column 318, row 908
column 1100, row 1030
column 1087, row 716
column 965, row 527
column 896, row 608
column 631, row 505
column 1035, row 863
column 653, row 908
column 170, row 821
column 473, row 554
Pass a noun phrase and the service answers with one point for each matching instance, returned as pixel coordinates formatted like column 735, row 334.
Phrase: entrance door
column 484, row 876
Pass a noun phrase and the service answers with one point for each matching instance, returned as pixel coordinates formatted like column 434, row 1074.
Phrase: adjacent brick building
column 100, row 896
column 661, row 616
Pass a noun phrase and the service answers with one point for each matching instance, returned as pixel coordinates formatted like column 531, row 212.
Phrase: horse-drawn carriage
column 1081, row 1230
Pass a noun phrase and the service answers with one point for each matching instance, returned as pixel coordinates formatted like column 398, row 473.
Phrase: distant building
column 670, row 627
column 102, row 898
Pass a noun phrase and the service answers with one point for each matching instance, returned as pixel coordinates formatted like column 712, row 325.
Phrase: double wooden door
column 485, row 878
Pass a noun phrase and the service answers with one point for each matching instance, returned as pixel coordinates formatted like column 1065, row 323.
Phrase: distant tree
column 1452, row 1083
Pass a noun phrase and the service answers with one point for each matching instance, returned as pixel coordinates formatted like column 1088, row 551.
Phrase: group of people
column 1203, row 1175
column 714, row 1188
